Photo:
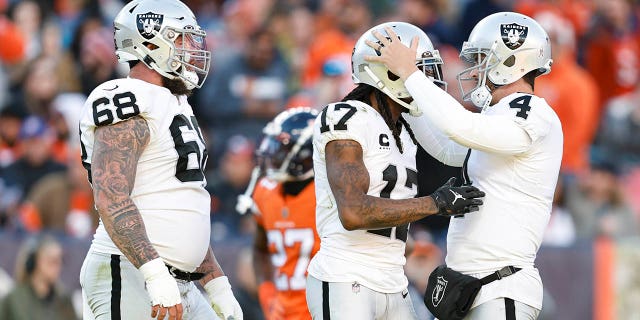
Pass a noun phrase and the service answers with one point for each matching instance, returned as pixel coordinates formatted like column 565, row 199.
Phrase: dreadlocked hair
column 360, row 93
column 409, row 130
column 363, row 92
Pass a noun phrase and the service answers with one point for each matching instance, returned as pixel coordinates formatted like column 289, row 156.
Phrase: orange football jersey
column 290, row 224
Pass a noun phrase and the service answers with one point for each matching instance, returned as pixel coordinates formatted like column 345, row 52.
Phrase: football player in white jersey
column 511, row 150
column 145, row 156
column 366, row 186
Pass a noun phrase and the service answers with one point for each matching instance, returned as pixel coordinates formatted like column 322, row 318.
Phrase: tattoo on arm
column 117, row 149
column 210, row 267
column 349, row 181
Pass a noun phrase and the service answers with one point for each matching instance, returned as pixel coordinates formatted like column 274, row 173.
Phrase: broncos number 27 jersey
column 374, row 258
column 290, row 224
column 169, row 183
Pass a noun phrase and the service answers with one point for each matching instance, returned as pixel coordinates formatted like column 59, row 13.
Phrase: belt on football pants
column 183, row 275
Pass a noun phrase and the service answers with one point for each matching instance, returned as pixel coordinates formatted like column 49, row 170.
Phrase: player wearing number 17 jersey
column 145, row 156
column 366, row 184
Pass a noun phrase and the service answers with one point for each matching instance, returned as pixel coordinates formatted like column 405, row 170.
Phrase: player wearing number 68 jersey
column 285, row 203
column 366, row 184
column 145, row 156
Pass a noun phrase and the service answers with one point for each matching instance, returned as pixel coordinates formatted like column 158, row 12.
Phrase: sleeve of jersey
column 538, row 123
column 116, row 101
column 436, row 143
column 495, row 134
column 343, row 121
column 258, row 198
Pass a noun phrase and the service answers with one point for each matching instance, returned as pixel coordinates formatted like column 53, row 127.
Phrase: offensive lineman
column 366, row 181
column 512, row 150
column 145, row 157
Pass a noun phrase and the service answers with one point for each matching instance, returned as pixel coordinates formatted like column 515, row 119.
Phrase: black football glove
column 456, row 201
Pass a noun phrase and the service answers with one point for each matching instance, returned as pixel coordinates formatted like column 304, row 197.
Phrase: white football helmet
column 165, row 36
column 377, row 75
column 503, row 47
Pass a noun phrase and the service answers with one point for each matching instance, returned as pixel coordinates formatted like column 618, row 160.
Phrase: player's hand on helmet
column 456, row 201
column 397, row 57
column 162, row 289
column 222, row 299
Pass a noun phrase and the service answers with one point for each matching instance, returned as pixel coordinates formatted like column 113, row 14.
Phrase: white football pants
column 113, row 289
column 503, row 309
column 352, row 301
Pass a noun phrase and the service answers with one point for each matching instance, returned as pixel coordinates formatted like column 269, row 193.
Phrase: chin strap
column 481, row 97
column 189, row 78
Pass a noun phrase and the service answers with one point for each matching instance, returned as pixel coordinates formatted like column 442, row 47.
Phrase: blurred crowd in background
column 269, row 55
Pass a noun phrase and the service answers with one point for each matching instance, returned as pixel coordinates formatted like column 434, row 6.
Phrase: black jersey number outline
column 184, row 148
column 390, row 175
column 522, row 104
column 342, row 123
column 125, row 104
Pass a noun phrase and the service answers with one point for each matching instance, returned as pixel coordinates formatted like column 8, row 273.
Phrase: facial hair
column 176, row 86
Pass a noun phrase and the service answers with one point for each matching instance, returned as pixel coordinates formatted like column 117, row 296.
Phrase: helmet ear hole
column 510, row 62
column 392, row 76
column 150, row 45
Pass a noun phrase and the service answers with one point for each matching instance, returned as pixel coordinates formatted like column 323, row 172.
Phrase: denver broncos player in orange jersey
column 284, row 209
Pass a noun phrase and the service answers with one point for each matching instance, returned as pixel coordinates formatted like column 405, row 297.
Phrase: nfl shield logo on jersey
column 355, row 287
column 513, row 35
column 438, row 291
column 148, row 22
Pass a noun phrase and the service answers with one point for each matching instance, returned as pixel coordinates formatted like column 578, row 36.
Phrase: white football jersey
column 516, row 150
column 169, row 185
column 374, row 258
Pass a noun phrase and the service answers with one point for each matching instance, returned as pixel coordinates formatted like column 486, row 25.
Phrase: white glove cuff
column 154, row 269
column 217, row 285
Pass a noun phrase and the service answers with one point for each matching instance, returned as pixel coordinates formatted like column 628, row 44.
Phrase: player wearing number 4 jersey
column 145, row 156
column 366, row 183
column 511, row 150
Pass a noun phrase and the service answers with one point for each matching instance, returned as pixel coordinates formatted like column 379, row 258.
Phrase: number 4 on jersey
column 521, row 103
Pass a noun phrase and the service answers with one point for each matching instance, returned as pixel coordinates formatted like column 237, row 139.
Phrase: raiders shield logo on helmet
column 148, row 22
column 438, row 291
column 513, row 35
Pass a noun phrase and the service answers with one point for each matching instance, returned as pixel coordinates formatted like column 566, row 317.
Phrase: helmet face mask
column 286, row 151
column 502, row 48
column 479, row 62
column 431, row 66
column 377, row 75
column 191, row 56
column 166, row 37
